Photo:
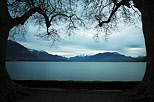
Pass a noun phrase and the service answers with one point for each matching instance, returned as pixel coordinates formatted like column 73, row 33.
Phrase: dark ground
column 74, row 91
column 48, row 95
column 87, row 85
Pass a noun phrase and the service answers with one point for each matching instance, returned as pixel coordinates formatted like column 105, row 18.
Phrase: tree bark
column 5, row 79
column 8, row 89
column 145, row 90
column 148, row 31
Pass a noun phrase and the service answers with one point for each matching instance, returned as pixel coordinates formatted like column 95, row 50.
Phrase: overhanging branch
column 60, row 14
column 23, row 18
column 123, row 2
column 48, row 22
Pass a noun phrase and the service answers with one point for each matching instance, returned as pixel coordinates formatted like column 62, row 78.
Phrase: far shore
column 64, row 61
column 79, row 85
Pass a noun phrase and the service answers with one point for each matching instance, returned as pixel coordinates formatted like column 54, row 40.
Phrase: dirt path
column 50, row 95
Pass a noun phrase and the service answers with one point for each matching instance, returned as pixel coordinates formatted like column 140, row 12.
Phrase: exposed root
column 14, row 91
column 144, row 92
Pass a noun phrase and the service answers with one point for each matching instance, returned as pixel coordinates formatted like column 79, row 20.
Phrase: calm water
column 77, row 71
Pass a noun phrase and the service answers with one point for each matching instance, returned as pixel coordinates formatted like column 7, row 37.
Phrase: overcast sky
column 128, row 41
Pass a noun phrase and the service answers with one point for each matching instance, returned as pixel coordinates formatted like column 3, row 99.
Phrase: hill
column 106, row 57
column 42, row 55
column 16, row 51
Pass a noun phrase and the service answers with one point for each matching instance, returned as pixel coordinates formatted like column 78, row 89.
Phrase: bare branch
column 52, row 35
column 23, row 18
column 59, row 14
column 115, row 8
column 49, row 13
column 112, row 13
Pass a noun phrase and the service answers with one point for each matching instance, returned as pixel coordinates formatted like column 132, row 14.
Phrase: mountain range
column 42, row 55
column 17, row 52
column 107, row 57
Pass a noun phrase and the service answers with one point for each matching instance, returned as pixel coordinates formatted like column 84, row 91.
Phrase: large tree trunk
column 8, row 89
column 5, row 80
column 148, row 30
column 145, row 90
column 6, row 86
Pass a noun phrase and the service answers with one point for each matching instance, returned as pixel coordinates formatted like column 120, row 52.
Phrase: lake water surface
column 77, row 71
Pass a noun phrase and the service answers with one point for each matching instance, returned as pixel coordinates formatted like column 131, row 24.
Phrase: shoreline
column 79, row 85
column 64, row 61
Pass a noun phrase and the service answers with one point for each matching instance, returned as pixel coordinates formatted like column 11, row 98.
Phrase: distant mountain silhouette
column 106, row 57
column 109, row 56
column 42, row 55
column 80, row 58
column 15, row 51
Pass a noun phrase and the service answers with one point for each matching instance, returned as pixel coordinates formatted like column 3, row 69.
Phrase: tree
column 108, row 12
column 14, row 13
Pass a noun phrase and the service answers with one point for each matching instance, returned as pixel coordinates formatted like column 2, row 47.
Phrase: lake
column 77, row 71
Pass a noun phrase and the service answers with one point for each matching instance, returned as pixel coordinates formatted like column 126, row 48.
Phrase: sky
column 128, row 41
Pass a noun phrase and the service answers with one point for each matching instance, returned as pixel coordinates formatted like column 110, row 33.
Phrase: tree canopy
column 47, row 14
column 110, row 13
